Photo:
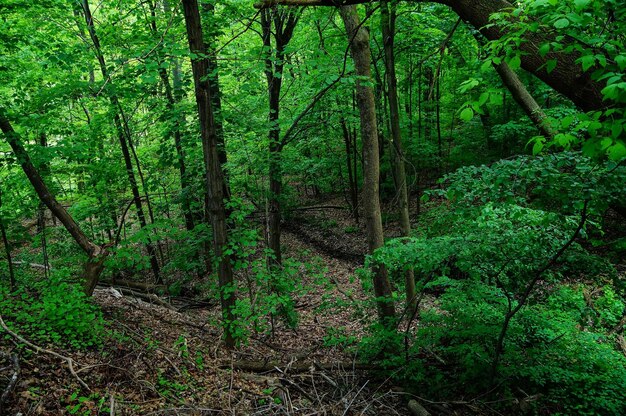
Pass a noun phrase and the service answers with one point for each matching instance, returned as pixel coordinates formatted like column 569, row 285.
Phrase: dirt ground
column 171, row 361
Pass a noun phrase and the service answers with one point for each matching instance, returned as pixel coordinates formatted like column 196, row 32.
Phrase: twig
column 68, row 360
column 15, row 363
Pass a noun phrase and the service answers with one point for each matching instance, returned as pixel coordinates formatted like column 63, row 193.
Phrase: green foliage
column 54, row 311
column 482, row 251
column 590, row 29
column 94, row 403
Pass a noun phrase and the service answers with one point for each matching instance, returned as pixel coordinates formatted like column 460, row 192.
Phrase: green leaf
column 467, row 114
column 515, row 62
column 544, row 49
column 617, row 151
column 587, row 61
column 561, row 23
column 580, row 4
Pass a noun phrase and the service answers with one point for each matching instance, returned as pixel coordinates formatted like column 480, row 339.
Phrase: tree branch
column 36, row 348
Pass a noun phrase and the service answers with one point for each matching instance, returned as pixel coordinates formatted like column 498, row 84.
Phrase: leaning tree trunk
column 96, row 255
column 388, row 17
column 524, row 99
column 359, row 47
column 213, row 168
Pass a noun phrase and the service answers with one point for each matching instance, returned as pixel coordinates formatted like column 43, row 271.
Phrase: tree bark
column 388, row 18
column 213, row 168
column 360, row 50
column 7, row 249
column 350, row 141
column 524, row 99
column 96, row 254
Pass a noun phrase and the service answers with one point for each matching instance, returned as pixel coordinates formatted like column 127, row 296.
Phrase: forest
column 312, row 207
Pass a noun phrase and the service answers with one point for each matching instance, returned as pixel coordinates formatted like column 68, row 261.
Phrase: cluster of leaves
column 484, row 252
column 54, row 311
column 597, row 28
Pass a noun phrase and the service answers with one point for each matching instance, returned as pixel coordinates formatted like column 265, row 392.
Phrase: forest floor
column 169, row 360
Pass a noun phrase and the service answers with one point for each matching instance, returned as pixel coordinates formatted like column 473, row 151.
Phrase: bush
column 54, row 311
column 490, row 246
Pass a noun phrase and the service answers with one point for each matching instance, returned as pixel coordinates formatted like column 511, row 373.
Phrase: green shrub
column 54, row 311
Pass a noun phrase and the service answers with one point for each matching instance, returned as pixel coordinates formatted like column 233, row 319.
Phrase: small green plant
column 54, row 311
column 170, row 388
column 93, row 404
column 351, row 229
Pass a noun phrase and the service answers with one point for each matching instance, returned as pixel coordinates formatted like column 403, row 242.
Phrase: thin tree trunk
column 123, row 133
column 438, row 120
column 213, row 168
column 524, row 99
column 7, row 249
column 96, row 255
column 279, row 25
column 352, row 180
column 359, row 47
column 388, row 18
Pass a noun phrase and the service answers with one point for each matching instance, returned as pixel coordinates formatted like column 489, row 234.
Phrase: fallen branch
column 15, row 363
column 33, row 265
column 148, row 297
column 417, row 409
column 144, row 287
column 295, row 367
column 36, row 348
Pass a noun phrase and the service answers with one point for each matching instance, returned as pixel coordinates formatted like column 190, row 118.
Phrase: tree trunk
column 524, row 99
column 213, row 168
column 123, row 133
column 95, row 253
column 7, row 249
column 388, row 18
column 352, row 175
column 216, row 99
column 359, row 47
column 279, row 25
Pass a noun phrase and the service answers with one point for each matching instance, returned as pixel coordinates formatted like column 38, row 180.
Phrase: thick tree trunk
column 216, row 99
column 213, row 168
column 388, row 17
column 95, row 253
column 359, row 47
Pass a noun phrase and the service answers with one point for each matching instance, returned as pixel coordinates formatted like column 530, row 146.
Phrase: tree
column 124, row 136
column 213, row 169
column 95, row 254
column 388, row 19
column 279, row 24
column 358, row 38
